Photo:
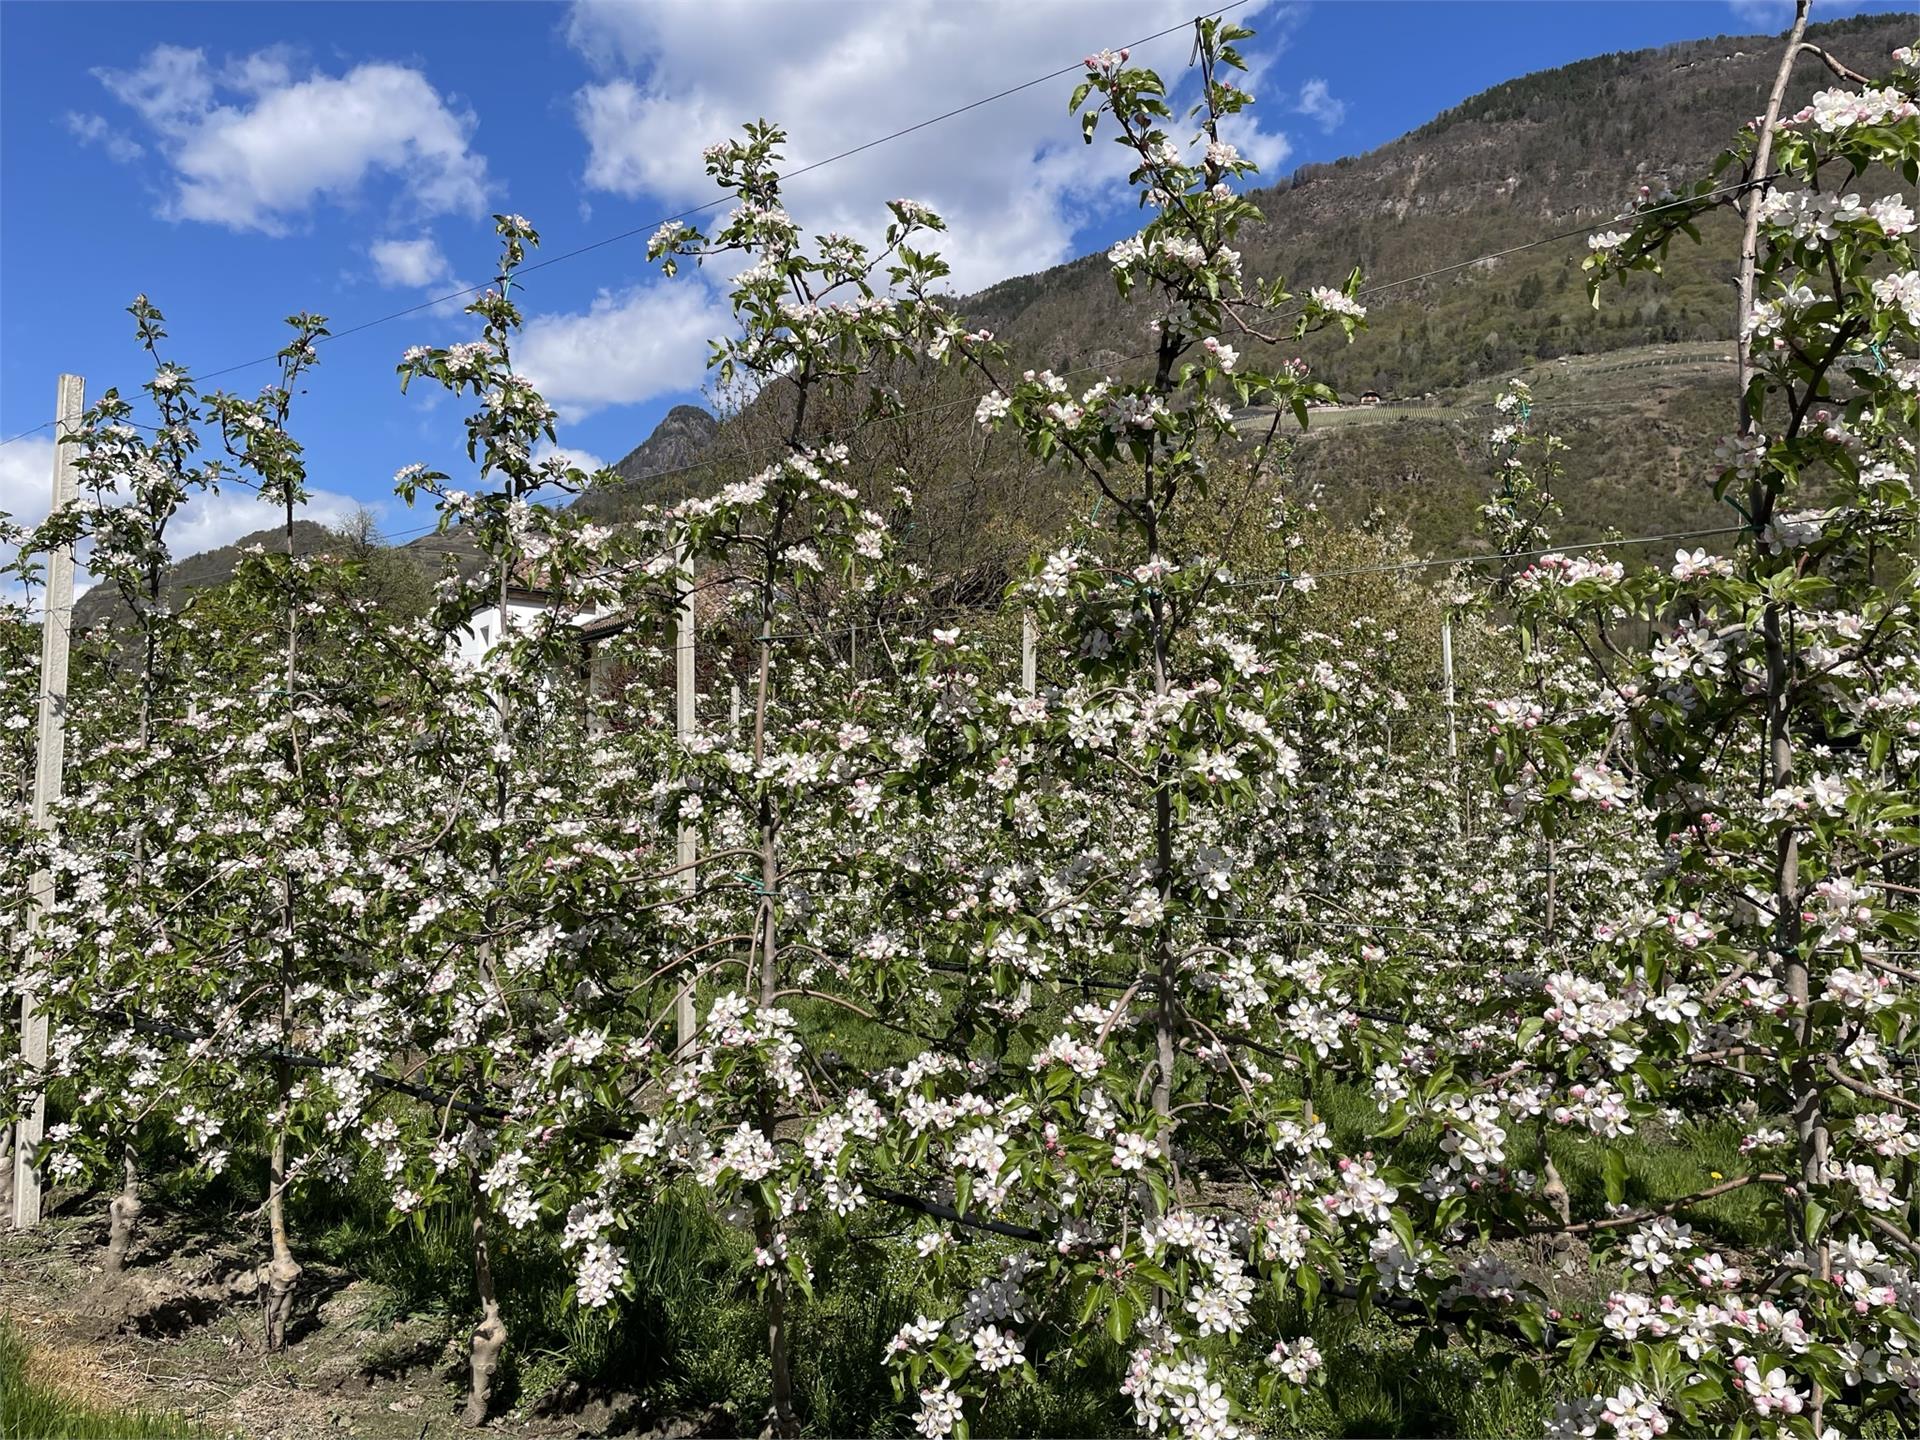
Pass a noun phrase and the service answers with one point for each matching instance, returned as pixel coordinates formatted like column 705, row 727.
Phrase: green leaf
column 1816, row 1218
column 1090, row 1302
column 1581, row 1348
column 1403, row 1231
column 1614, row 1171
column 1119, row 1319
column 1704, row 1391
column 797, row 1268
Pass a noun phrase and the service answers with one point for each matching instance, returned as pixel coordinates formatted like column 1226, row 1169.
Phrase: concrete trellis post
column 55, row 631
column 684, row 676
column 1453, row 733
column 1030, row 682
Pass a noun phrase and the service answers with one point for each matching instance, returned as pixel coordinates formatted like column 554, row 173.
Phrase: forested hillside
column 1557, row 151
column 1526, row 168
column 1519, row 173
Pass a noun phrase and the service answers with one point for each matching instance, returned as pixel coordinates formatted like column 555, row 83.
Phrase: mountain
column 677, row 440
column 398, row 579
column 1470, row 232
column 1551, row 154
column 658, row 467
column 103, row 602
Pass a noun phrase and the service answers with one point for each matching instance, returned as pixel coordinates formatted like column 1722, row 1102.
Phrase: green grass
column 1379, row 1383
column 31, row 1411
column 691, row 1337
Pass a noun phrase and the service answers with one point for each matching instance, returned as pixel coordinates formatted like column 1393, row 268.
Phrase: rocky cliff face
column 677, row 440
column 658, row 468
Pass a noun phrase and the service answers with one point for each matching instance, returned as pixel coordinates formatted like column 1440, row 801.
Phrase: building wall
column 484, row 629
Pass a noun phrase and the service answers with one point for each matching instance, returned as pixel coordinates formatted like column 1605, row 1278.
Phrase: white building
column 486, row 626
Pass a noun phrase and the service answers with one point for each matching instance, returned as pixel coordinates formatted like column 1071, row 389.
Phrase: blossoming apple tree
column 1768, row 731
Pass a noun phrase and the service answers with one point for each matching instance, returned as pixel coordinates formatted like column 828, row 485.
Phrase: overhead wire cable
column 630, row 233
column 692, row 210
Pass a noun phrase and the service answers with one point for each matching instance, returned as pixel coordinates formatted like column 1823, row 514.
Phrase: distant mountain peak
column 680, row 438
column 657, row 469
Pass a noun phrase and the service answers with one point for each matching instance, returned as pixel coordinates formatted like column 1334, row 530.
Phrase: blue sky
column 240, row 162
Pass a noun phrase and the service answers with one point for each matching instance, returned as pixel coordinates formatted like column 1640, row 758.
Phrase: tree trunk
column 283, row 1271
column 1809, row 1124
column 490, row 1335
column 779, row 1364
column 123, row 1215
column 768, row 812
column 1561, row 1247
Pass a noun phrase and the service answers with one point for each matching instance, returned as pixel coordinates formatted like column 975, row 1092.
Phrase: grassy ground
column 40, row 1399
column 1637, row 423
column 689, row 1342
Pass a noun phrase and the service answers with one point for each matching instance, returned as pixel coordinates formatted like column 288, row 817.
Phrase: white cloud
column 206, row 522
column 26, row 488
column 276, row 145
column 584, row 460
column 628, row 347
column 1012, row 178
column 1767, row 15
column 210, row 521
column 640, row 142
column 94, row 130
column 171, row 90
column 1316, row 102
column 412, row 264
column 26, row 479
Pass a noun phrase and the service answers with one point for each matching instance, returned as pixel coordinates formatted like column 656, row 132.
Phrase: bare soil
column 181, row 1332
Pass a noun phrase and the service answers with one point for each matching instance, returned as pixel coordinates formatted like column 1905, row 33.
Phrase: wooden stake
column 56, row 625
